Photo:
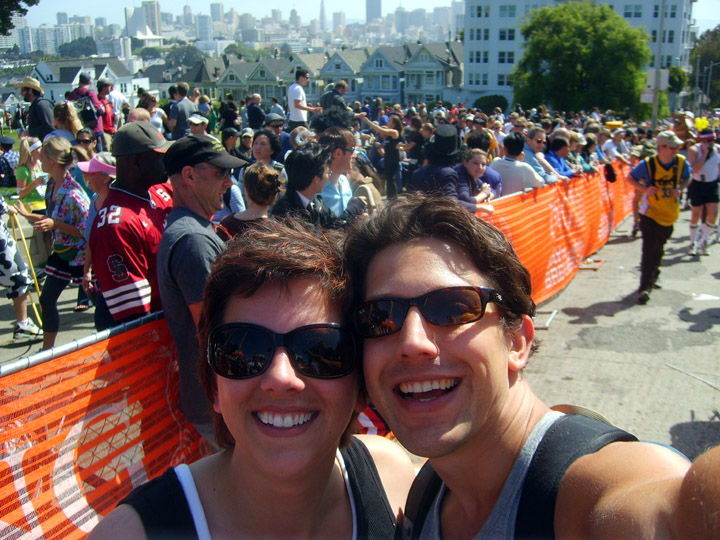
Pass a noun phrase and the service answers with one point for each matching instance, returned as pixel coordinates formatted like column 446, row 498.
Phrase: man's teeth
column 427, row 386
column 284, row 420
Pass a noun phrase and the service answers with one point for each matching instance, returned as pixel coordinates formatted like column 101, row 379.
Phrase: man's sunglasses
column 320, row 351
column 84, row 141
column 451, row 306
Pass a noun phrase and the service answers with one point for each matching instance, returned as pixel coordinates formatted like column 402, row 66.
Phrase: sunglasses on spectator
column 276, row 126
column 84, row 141
column 452, row 306
column 220, row 173
column 319, row 351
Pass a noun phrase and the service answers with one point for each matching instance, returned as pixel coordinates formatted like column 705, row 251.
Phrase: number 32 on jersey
column 110, row 216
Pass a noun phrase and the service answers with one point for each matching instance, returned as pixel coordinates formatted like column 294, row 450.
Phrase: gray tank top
column 501, row 523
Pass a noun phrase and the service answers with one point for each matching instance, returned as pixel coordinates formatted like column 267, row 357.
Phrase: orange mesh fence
column 79, row 432
column 555, row 228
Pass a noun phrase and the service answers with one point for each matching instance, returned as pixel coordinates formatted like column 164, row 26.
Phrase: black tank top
column 165, row 514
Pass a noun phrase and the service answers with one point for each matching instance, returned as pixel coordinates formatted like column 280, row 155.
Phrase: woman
column 265, row 145
column 31, row 179
column 66, row 121
column 158, row 118
column 67, row 209
column 473, row 194
column 704, row 160
column 99, row 173
column 262, row 186
column 392, row 137
column 282, row 375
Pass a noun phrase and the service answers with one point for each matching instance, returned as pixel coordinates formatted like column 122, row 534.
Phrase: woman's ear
column 521, row 340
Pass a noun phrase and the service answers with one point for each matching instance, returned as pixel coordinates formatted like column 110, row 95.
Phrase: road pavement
column 652, row 369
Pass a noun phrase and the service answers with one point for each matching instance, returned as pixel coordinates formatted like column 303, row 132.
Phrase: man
column 119, row 103
column 276, row 108
column 275, row 123
column 297, row 102
column 126, row 233
column 198, row 124
column 661, row 179
column 255, row 114
column 307, row 171
column 445, row 310
column 40, row 115
column 333, row 98
column 337, row 192
column 516, row 175
column 559, row 149
column 611, row 147
column 104, row 86
column 534, row 145
column 180, row 111
column 199, row 169
column 83, row 90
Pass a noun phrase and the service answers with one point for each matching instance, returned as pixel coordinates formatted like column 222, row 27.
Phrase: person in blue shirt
column 559, row 148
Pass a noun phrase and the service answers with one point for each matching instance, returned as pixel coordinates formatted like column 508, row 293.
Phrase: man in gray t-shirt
column 180, row 111
column 199, row 169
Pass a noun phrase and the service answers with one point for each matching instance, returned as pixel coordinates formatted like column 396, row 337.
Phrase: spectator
column 262, row 186
column 40, row 114
column 534, row 144
column 611, row 149
column 67, row 122
column 66, row 208
column 275, row 123
column 9, row 160
column 180, row 112
column 704, row 159
column 391, row 135
column 276, row 108
column 474, row 195
column 255, row 115
column 297, row 102
column 199, row 170
column 104, row 86
column 30, row 177
column 233, row 200
column 119, row 101
column 126, row 234
column 334, row 97
column 438, row 177
column 246, row 140
column 482, row 140
column 83, row 91
column 559, row 149
column 158, row 118
column 337, row 193
column 198, row 124
column 516, row 175
column 229, row 113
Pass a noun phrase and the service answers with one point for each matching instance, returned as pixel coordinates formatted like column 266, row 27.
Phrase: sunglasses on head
column 320, row 351
column 451, row 306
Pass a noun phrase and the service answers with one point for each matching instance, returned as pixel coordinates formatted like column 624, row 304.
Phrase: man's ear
column 520, row 345
column 188, row 174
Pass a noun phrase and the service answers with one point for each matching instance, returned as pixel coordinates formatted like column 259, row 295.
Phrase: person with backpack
column 40, row 114
column 445, row 309
column 90, row 110
column 8, row 162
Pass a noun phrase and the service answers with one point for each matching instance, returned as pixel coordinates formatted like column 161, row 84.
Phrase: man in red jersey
column 127, row 230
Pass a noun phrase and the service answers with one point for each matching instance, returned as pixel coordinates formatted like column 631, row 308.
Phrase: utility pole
column 658, row 65
column 697, row 83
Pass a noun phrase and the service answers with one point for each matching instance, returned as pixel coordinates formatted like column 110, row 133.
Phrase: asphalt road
column 652, row 370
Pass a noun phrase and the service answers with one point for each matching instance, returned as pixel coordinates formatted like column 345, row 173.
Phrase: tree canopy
column 186, row 55
column 708, row 49
column 580, row 55
column 78, row 48
column 7, row 7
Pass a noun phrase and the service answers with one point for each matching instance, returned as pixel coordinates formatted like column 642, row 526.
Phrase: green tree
column 579, row 55
column 708, row 49
column 488, row 103
column 7, row 7
column 678, row 79
column 187, row 55
column 79, row 48
column 150, row 53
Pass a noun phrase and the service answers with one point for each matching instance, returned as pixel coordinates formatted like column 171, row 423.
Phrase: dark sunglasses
column 84, row 141
column 276, row 126
column 320, row 351
column 451, row 306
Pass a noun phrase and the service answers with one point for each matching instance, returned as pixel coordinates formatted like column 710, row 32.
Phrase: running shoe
column 27, row 330
column 643, row 297
column 693, row 250
column 703, row 249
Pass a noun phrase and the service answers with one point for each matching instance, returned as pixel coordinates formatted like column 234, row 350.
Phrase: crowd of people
column 277, row 244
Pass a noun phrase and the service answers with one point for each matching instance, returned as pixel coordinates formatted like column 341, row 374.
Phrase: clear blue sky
column 705, row 12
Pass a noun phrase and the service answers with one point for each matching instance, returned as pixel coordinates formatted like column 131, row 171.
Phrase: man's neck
column 135, row 188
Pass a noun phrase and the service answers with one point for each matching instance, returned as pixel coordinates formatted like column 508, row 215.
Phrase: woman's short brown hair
column 262, row 183
column 272, row 252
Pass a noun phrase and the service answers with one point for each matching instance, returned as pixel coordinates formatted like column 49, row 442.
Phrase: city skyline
column 704, row 11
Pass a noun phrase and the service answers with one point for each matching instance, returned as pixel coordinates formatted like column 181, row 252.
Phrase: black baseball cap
column 192, row 150
column 138, row 137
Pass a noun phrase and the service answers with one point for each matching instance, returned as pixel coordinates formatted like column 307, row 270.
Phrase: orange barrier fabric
column 79, row 432
column 555, row 228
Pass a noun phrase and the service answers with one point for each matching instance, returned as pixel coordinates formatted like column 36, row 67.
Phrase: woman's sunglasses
column 320, row 351
column 451, row 306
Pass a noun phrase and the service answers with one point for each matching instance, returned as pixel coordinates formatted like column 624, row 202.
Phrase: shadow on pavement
column 589, row 314
column 702, row 320
column 618, row 240
column 694, row 438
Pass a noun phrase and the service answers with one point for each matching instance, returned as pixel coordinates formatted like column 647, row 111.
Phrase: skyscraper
column 216, row 12
column 151, row 11
column 323, row 17
column 373, row 10
column 203, row 27
column 62, row 18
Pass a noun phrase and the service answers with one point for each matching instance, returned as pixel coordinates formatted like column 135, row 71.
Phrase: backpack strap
column 375, row 518
column 568, row 439
column 423, row 492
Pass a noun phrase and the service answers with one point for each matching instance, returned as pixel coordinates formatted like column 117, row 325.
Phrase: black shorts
column 701, row 193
